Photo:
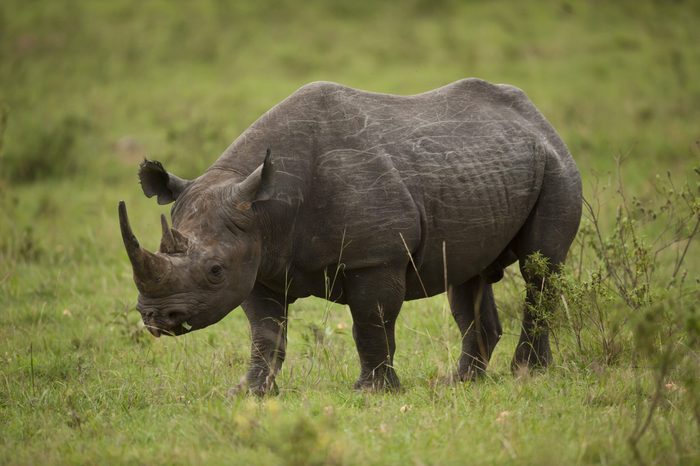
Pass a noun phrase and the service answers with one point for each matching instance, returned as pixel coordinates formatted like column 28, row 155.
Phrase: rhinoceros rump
column 368, row 200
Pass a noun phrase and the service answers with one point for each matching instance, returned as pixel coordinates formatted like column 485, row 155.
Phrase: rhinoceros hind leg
column 480, row 331
column 533, row 349
column 375, row 296
column 549, row 230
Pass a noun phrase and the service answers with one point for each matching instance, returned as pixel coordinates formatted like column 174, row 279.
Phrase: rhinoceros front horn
column 148, row 267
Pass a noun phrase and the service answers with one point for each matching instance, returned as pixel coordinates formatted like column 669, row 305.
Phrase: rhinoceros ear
column 258, row 186
column 155, row 181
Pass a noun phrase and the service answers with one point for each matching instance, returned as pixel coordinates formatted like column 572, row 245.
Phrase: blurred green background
column 90, row 88
column 88, row 84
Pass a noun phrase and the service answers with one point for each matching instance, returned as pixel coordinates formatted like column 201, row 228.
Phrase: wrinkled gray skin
column 469, row 178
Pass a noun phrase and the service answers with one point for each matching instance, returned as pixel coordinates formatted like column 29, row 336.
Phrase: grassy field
column 87, row 89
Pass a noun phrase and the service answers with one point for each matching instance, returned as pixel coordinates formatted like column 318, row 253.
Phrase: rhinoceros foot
column 531, row 354
column 381, row 379
column 266, row 387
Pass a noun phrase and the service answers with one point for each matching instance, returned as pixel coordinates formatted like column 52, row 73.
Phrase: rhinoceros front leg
column 267, row 315
column 480, row 330
column 375, row 296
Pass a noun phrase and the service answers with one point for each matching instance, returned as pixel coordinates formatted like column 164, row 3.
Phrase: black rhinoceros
column 368, row 200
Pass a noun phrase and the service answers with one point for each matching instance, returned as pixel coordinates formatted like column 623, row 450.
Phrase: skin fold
column 368, row 200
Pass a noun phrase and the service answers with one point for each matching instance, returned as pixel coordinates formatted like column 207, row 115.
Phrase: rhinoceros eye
column 215, row 273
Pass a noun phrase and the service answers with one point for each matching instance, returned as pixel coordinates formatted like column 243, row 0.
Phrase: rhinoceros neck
column 289, row 130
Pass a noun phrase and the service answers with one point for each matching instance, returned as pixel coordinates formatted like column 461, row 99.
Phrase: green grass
column 87, row 89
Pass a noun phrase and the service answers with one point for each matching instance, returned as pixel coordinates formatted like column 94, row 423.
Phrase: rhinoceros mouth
column 180, row 329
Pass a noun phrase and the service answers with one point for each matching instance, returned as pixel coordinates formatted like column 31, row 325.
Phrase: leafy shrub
column 308, row 438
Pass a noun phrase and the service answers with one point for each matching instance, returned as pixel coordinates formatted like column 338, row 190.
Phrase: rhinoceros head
column 208, row 261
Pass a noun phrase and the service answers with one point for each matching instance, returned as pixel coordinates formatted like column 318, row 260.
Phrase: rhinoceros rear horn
column 172, row 242
column 147, row 266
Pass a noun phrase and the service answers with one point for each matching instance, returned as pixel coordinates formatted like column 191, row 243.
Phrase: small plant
column 304, row 440
column 128, row 322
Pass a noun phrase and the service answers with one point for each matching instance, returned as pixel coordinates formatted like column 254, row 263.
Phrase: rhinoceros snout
column 172, row 324
column 170, row 320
